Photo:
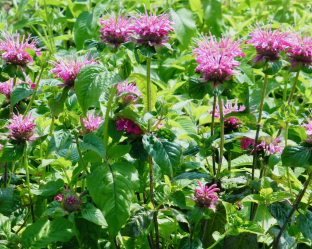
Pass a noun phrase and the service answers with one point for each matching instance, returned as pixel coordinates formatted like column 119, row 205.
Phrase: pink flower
column 230, row 122
column 308, row 128
column 247, row 142
column 21, row 128
column 217, row 58
column 266, row 144
column 128, row 125
column 269, row 146
column 0, row 146
column 92, row 123
column 300, row 52
column 69, row 69
column 152, row 29
column 116, row 31
column 12, row 50
column 59, row 197
column 72, row 203
column 7, row 86
column 206, row 197
column 268, row 43
column 124, row 88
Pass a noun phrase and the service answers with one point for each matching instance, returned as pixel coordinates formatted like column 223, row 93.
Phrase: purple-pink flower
column 69, row 69
column 13, row 50
column 92, row 123
column 59, row 197
column 128, row 125
column 206, row 197
column 72, row 203
column 268, row 43
column 7, row 86
column 300, row 52
column 217, row 58
column 116, row 31
column 266, row 144
column 308, row 128
column 230, row 122
column 125, row 88
column 152, row 29
column 22, row 129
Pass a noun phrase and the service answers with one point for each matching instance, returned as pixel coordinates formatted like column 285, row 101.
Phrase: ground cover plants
column 155, row 124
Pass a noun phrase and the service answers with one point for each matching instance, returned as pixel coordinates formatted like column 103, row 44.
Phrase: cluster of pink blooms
column 206, row 197
column 267, row 144
column 7, row 86
column 116, row 31
column 92, row 123
column 230, row 122
column 308, row 128
column 300, row 51
column 217, row 58
column 124, row 87
column 22, row 128
column 128, row 125
column 69, row 69
column 70, row 204
column 151, row 29
column 12, row 50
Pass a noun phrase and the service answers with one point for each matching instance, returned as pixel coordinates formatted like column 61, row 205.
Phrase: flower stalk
column 79, row 152
column 108, row 109
column 11, row 106
column 293, row 88
column 221, row 133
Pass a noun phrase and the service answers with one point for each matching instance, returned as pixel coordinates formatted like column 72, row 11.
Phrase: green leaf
column 60, row 138
column 10, row 69
column 10, row 201
column 285, row 242
column 49, row 189
column 184, row 25
column 243, row 240
column 167, row 155
column 186, row 244
column 213, row 16
column 118, row 151
column 307, row 68
column 112, row 189
column 274, row 67
column 83, row 29
column 44, row 232
column 94, row 215
column 138, row 223
column 57, row 104
column 55, row 210
column 195, row 89
column 5, row 226
column 141, row 83
column 94, row 143
column 304, row 223
column 280, row 211
column 296, row 156
column 11, row 152
column 20, row 92
column 91, row 82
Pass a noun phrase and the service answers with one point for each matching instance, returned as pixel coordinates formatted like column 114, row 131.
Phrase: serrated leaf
column 11, row 152
column 274, row 67
column 167, row 155
column 138, row 223
column 94, row 143
column 117, row 151
column 297, row 156
column 49, row 189
column 94, row 215
column 20, row 92
column 112, row 189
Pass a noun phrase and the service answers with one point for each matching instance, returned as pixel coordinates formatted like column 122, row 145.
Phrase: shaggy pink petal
column 21, row 128
column 59, row 197
column 92, row 123
column 206, row 197
column 12, row 49
column 151, row 28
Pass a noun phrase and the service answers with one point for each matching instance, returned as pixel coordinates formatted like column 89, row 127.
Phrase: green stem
column 293, row 88
column 221, row 133
column 82, row 125
column 287, row 168
column 5, row 174
column 149, row 90
column 52, row 126
column 79, row 152
column 108, row 108
column 34, row 95
column 263, row 219
column 11, row 106
column 28, row 182
column 76, row 232
column 212, row 132
column 221, row 238
column 13, row 167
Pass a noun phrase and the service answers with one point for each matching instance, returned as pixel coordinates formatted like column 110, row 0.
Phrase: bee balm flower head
column 71, row 203
column 152, row 29
column 124, row 88
column 21, row 129
column 69, row 69
column 116, row 30
column 13, row 50
column 217, row 58
column 206, row 197
column 92, row 123
column 268, row 43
